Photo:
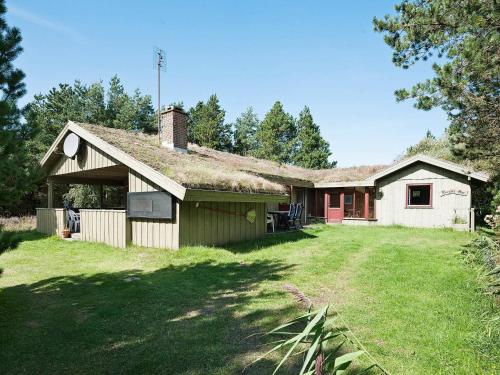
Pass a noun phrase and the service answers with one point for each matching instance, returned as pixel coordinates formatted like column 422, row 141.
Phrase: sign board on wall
column 150, row 205
column 454, row 192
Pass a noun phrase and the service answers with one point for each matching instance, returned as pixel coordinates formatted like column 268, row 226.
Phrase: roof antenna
column 160, row 65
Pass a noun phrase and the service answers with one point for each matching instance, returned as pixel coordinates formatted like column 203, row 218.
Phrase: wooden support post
column 342, row 209
column 316, row 201
column 367, row 203
column 354, row 202
column 305, row 205
column 50, row 194
column 327, row 202
column 101, row 198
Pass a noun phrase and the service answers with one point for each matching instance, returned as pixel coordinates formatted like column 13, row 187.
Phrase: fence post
column 472, row 220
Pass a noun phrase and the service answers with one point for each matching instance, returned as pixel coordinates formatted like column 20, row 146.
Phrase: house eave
column 199, row 195
column 361, row 183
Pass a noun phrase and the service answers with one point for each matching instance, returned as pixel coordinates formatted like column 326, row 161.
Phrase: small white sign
column 454, row 192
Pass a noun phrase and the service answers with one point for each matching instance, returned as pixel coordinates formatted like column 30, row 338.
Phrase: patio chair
column 73, row 221
column 293, row 216
column 290, row 217
column 298, row 215
column 270, row 220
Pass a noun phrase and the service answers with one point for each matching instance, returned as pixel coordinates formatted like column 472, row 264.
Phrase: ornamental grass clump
column 322, row 338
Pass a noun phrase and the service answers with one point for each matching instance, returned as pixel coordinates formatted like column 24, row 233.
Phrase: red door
column 334, row 200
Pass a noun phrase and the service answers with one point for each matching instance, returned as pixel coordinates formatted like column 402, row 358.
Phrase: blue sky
column 323, row 54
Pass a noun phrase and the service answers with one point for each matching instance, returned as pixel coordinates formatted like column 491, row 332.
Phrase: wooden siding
column 211, row 223
column 149, row 232
column 50, row 220
column 390, row 204
column 218, row 223
column 89, row 157
column 108, row 226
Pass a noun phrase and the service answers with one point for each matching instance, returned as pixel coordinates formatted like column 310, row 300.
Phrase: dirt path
column 337, row 292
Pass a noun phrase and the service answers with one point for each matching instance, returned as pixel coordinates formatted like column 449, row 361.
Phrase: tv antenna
column 160, row 63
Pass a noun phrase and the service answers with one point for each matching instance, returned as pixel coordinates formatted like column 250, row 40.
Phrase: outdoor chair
column 270, row 221
column 73, row 221
column 291, row 214
column 298, row 215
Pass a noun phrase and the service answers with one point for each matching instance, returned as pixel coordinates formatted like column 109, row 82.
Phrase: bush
column 484, row 253
column 8, row 240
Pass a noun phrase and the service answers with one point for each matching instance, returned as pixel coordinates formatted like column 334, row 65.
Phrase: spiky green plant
column 323, row 339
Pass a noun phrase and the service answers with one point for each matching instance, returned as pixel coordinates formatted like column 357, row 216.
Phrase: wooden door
column 334, row 207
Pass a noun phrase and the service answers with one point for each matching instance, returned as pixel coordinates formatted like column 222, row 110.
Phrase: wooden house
column 181, row 194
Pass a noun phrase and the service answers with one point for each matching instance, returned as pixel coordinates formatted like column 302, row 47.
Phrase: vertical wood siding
column 213, row 223
column 90, row 157
column 390, row 207
column 50, row 220
column 150, row 232
column 108, row 226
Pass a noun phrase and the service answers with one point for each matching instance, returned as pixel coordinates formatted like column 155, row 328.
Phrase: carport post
column 50, row 194
column 100, row 196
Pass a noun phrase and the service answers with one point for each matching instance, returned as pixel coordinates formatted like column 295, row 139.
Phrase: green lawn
column 75, row 307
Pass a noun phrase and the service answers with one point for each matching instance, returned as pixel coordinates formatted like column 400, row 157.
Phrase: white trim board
column 432, row 161
column 161, row 180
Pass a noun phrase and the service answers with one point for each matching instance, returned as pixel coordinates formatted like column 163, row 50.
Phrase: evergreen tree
column 276, row 136
column 207, row 127
column 245, row 128
column 15, row 171
column 466, row 39
column 49, row 113
column 313, row 151
column 430, row 145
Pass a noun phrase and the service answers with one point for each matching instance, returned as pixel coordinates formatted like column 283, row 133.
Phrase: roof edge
column 54, row 144
column 358, row 183
column 158, row 178
column 445, row 164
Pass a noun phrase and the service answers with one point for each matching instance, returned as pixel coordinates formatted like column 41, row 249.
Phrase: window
column 348, row 199
column 419, row 195
column 335, row 199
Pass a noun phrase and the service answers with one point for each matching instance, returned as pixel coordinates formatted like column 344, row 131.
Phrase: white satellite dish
column 71, row 145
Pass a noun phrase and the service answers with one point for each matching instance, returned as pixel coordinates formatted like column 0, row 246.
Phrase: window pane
column 348, row 199
column 419, row 195
column 335, row 199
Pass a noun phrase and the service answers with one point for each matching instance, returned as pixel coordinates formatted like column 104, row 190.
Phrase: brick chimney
column 174, row 129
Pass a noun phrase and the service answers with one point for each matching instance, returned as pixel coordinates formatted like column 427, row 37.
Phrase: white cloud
column 45, row 23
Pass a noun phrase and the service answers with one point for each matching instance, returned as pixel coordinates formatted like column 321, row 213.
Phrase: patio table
column 280, row 217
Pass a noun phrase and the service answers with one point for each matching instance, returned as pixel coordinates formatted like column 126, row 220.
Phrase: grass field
column 75, row 307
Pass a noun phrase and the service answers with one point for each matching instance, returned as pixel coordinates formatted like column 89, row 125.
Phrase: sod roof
column 204, row 168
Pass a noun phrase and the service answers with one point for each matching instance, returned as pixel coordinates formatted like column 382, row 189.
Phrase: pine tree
column 245, row 128
column 313, row 151
column 276, row 136
column 207, row 127
column 465, row 37
column 15, row 171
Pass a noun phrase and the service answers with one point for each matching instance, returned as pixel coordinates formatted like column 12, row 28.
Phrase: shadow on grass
column 271, row 239
column 180, row 319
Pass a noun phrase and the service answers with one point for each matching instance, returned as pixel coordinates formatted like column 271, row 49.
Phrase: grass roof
column 204, row 168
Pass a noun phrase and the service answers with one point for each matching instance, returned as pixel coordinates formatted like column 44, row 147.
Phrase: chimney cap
column 171, row 108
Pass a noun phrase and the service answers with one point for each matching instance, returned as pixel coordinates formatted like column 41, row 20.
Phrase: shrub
column 8, row 240
column 482, row 251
